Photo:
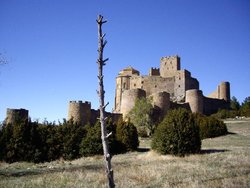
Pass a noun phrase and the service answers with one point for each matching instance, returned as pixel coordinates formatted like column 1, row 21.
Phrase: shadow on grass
column 143, row 150
column 231, row 133
column 38, row 171
column 209, row 151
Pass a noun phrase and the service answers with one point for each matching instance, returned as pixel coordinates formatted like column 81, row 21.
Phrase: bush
column 127, row 136
column 223, row 114
column 178, row 134
column 72, row 135
column 92, row 143
column 210, row 126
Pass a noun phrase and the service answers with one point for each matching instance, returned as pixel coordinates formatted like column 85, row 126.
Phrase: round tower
column 122, row 83
column 161, row 100
column 79, row 112
column 128, row 99
column 13, row 115
column 224, row 91
column 195, row 99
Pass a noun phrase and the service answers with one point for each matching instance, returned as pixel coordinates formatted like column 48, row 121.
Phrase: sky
column 51, row 48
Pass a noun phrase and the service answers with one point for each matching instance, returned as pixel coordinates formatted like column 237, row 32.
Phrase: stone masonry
column 168, row 86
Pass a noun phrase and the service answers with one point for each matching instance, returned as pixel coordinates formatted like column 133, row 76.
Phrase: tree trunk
column 101, row 63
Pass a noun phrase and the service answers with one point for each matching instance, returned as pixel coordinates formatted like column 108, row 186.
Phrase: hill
column 224, row 162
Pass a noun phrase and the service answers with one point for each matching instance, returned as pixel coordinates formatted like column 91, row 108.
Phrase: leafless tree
column 105, row 135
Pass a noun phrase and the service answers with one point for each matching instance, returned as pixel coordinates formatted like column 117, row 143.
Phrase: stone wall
column 194, row 98
column 79, row 112
column 153, row 84
column 13, row 115
column 222, row 92
column 128, row 99
column 169, row 65
column 161, row 100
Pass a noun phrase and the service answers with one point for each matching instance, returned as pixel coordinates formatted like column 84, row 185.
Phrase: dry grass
column 225, row 162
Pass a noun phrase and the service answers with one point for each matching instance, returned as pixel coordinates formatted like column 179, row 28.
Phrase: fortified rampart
column 82, row 114
column 170, row 87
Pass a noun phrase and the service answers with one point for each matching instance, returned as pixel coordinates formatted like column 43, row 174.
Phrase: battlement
column 80, row 102
column 79, row 111
column 154, row 72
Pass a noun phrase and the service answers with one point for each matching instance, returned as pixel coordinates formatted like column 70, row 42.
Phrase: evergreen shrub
column 210, row 126
column 92, row 144
column 177, row 134
column 127, row 136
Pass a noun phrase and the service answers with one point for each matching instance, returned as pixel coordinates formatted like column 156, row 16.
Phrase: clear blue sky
column 51, row 47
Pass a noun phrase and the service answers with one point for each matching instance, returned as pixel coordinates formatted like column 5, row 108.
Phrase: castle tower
column 128, row 99
column 161, row 100
column 123, row 83
column 13, row 115
column 224, row 91
column 80, row 112
column 169, row 66
column 195, row 99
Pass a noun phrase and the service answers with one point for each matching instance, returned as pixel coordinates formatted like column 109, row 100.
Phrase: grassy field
column 224, row 162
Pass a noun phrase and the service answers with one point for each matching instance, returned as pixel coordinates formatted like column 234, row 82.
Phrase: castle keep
column 168, row 87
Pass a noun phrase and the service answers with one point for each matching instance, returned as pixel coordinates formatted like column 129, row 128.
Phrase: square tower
column 169, row 66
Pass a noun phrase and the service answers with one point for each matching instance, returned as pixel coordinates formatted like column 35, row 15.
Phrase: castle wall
column 79, row 112
column 128, row 99
column 195, row 99
column 122, row 83
column 153, row 84
column 161, row 100
column 174, row 105
column 180, row 85
column 184, row 82
column 13, row 115
column 95, row 114
column 222, row 92
column 213, row 105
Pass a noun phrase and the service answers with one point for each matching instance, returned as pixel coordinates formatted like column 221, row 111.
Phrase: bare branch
column 101, row 92
column 108, row 135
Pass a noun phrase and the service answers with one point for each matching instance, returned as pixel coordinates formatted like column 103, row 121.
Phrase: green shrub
column 223, row 114
column 72, row 135
column 210, row 126
column 92, row 144
column 127, row 136
column 178, row 134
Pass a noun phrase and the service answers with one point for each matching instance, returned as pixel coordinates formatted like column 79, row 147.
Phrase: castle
column 168, row 87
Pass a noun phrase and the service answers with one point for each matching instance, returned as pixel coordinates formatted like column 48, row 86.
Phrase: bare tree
column 105, row 135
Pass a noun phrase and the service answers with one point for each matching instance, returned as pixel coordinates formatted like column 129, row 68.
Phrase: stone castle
column 168, row 87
